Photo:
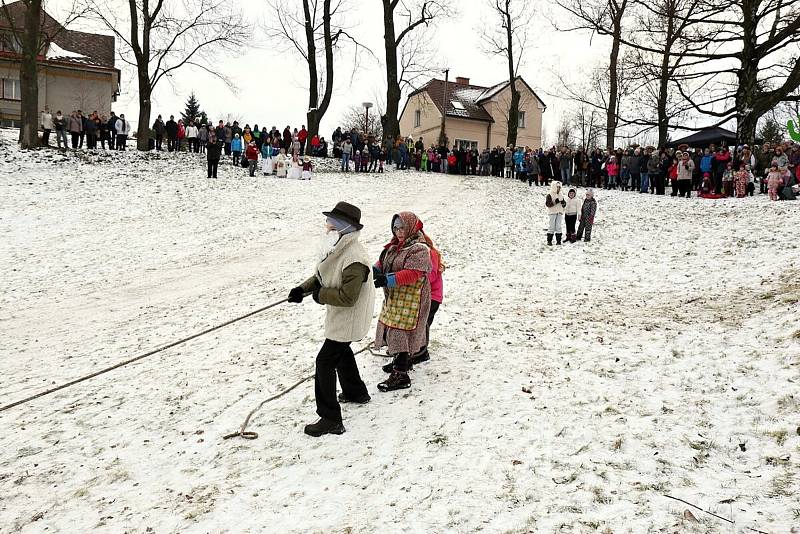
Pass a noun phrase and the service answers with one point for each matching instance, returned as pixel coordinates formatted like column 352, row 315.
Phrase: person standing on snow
column 123, row 130
column 342, row 283
column 402, row 271
column 555, row 204
column 213, row 154
column 588, row 210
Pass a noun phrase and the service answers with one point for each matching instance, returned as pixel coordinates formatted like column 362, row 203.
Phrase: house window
column 417, row 118
column 457, row 105
column 11, row 89
column 465, row 144
column 521, row 121
column 9, row 43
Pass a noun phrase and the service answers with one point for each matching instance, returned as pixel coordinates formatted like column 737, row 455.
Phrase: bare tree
column 414, row 15
column 743, row 58
column 31, row 32
column 509, row 38
column 159, row 37
column 586, row 121
column 355, row 117
column 315, row 24
column 605, row 17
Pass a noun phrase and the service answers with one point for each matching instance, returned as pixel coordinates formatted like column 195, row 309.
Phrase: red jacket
column 302, row 135
column 315, row 141
column 251, row 153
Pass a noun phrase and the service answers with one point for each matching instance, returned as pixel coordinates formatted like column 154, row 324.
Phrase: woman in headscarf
column 402, row 271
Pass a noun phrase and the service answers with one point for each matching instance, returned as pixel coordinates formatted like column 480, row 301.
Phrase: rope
column 140, row 357
column 243, row 433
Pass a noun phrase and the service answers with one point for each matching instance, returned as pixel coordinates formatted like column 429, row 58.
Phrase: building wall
column 531, row 135
column 430, row 119
column 66, row 89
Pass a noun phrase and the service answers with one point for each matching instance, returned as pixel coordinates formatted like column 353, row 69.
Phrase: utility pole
column 443, row 132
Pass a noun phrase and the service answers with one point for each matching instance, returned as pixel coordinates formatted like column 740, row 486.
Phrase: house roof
column 465, row 101
column 706, row 137
column 72, row 47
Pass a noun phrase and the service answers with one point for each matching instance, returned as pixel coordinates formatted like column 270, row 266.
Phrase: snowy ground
column 662, row 358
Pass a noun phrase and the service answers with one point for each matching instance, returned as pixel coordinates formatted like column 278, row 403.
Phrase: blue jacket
column 706, row 162
column 236, row 144
column 266, row 150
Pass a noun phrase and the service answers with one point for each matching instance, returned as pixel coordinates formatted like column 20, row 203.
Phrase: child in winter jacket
column 774, row 181
column 588, row 211
column 612, row 168
column 424, row 164
column 251, row 153
column 236, row 148
column 308, row 168
column 555, row 203
column 727, row 180
column 357, row 161
column 571, row 214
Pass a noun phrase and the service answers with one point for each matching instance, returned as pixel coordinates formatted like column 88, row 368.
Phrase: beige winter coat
column 347, row 323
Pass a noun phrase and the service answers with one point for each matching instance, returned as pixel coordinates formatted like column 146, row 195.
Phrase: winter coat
column 251, row 153
column 782, row 161
column 573, row 206
column 565, row 162
column 652, row 164
column 435, row 278
column 213, row 151
column 774, row 180
column 403, row 319
column 59, row 122
column 706, row 163
column 556, row 196
column 236, row 144
column 635, row 164
column 685, row 169
column 47, row 121
column 75, row 125
column 612, row 168
column 588, row 210
column 191, row 132
column 123, row 127
column 347, row 148
column 159, row 127
column 172, row 129
column 202, row 134
column 346, row 289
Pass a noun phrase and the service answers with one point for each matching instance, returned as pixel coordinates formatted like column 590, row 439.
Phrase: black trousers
column 159, row 141
column 571, row 223
column 112, row 141
column 45, row 137
column 172, row 144
column 75, row 138
column 585, row 228
column 212, row 168
column 336, row 358
column 122, row 140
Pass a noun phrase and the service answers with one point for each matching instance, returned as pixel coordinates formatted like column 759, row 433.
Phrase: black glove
column 296, row 295
column 563, row 203
column 315, row 294
column 380, row 280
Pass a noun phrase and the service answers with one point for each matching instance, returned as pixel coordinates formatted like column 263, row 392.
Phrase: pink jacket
column 435, row 278
column 612, row 168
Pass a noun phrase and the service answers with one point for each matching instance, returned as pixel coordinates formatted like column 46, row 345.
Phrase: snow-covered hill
column 570, row 388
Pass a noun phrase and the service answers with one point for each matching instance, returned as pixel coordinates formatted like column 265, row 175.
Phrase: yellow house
column 476, row 116
column 76, row 69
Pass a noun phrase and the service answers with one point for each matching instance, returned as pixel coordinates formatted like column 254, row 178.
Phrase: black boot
column 396, row 380
column 549, row 239
column 558, row 239
column 360, row 400
column 324, row 426
column 389, row 367
column 421, row 356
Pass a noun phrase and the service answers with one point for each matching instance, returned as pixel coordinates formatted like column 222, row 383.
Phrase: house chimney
column 460, row 80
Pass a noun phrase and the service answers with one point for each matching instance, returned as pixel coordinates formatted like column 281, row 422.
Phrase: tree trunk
column 665, row 73
column 29, row 75
column 143, row 129
column 513, row 109
column 391, row 126
column 613, row 87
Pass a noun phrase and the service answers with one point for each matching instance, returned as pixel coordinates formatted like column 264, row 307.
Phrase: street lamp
column 366, row 105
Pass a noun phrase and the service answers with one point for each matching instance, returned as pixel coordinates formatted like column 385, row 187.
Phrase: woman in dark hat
column 343, row 283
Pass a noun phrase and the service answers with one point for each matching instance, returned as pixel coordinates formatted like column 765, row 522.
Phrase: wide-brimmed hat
column 346, row 212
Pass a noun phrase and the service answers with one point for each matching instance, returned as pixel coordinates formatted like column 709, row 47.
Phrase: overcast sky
column 272, row 82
